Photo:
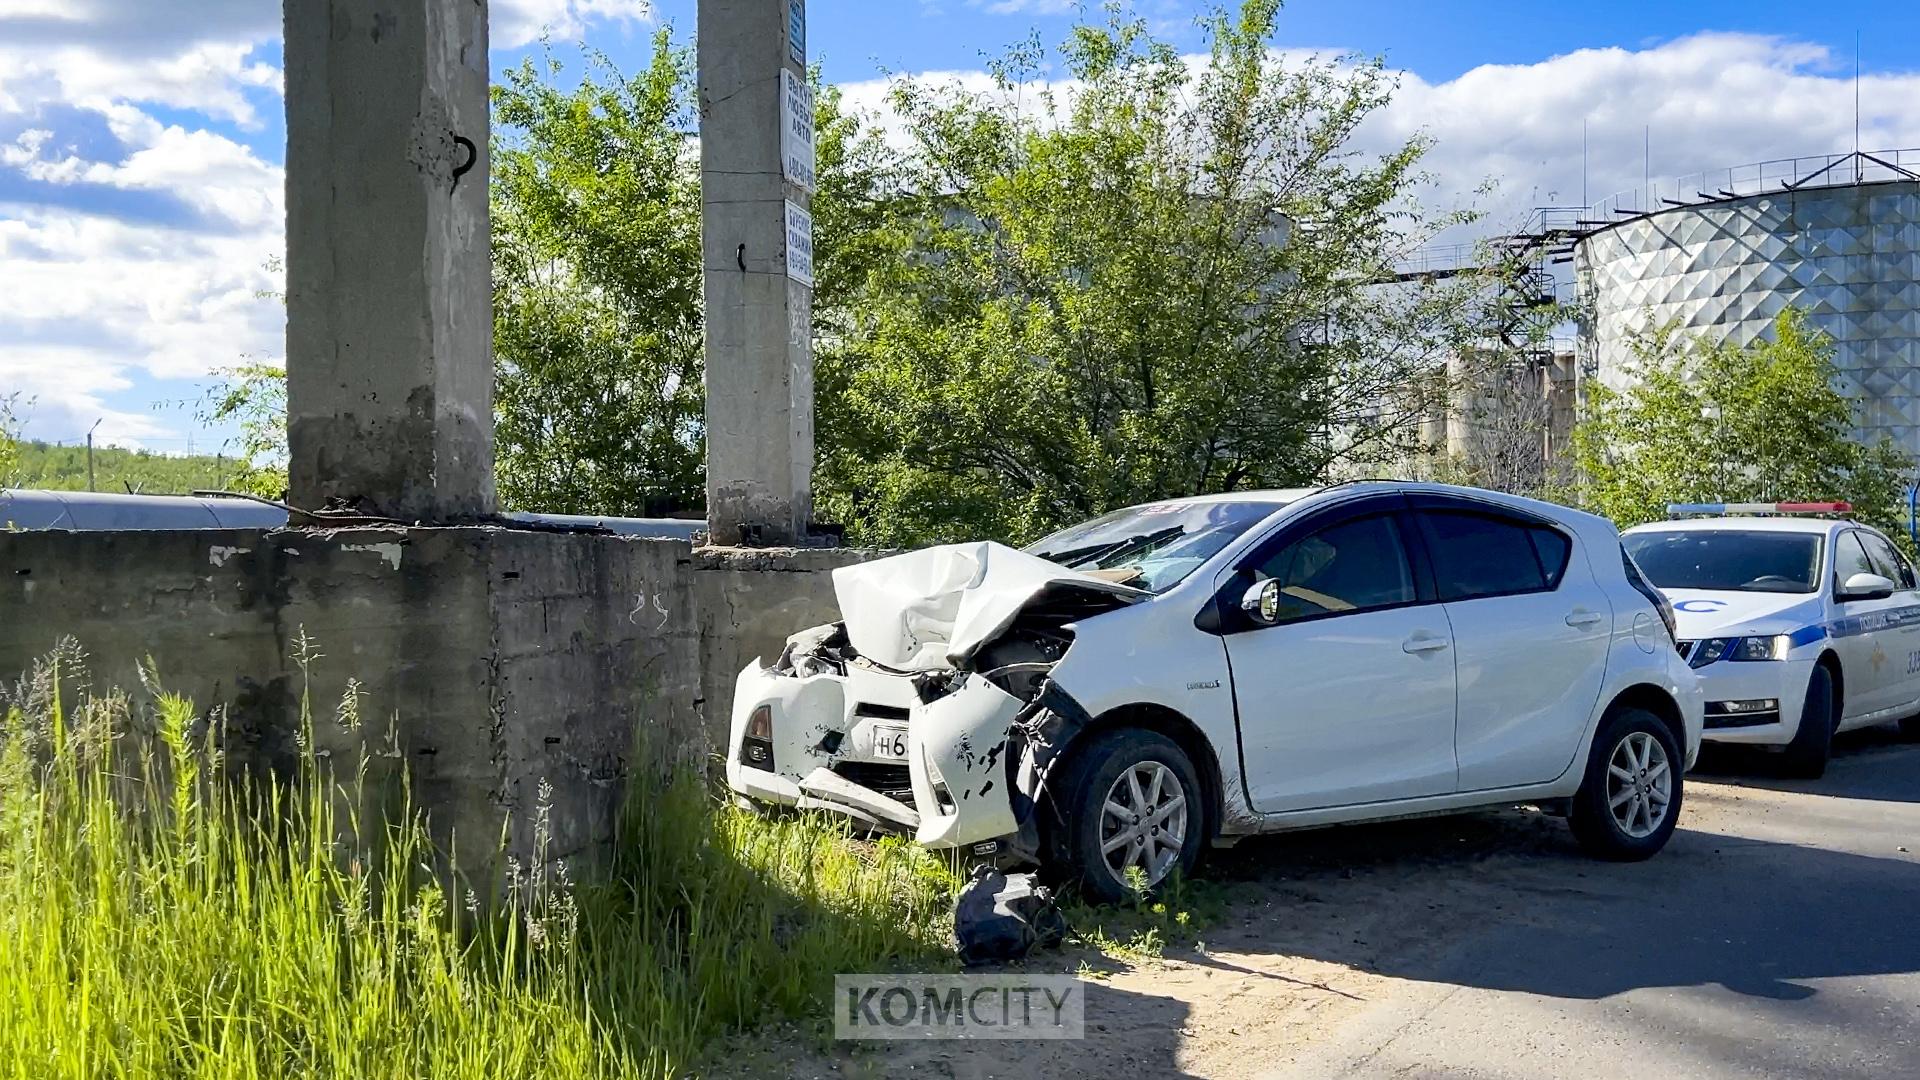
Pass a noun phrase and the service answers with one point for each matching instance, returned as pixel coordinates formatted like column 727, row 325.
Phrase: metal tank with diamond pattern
column 1838, row 237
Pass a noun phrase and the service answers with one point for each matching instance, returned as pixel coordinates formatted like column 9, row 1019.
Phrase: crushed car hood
column 934, row 608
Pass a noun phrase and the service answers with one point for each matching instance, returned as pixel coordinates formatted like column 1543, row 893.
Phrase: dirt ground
column 1319, row 928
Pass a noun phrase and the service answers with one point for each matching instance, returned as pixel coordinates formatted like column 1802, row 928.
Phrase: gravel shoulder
column 1774, row 937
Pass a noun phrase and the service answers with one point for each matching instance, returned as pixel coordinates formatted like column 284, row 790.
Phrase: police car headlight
column 1774, row 647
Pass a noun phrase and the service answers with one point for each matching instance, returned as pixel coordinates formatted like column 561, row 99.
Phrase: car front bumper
column 953, row 788
column 1730, row 680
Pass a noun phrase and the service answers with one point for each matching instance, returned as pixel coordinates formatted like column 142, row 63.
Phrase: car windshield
column 1155, row 546
column 1727, row 559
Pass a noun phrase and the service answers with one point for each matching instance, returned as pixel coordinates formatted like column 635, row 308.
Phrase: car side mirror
column 1866, row 587
column 1262, row 602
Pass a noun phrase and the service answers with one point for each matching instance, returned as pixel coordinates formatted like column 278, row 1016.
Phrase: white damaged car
column 1128, row 690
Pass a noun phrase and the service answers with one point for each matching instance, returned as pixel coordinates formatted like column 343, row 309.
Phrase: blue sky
column 141, row 140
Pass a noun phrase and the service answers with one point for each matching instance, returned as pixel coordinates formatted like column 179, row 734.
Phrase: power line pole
column 90, row 430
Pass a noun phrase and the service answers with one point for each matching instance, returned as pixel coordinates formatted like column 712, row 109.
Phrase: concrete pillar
column 389, row 306
column 759, row 349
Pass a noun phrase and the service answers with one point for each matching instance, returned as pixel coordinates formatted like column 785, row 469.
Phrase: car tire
column 1910, row 728
column 1112, row 764
column 1805, row 758
column 1617, row 813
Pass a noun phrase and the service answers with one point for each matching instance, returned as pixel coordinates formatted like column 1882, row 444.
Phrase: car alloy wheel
column 1143, row 822
column 1639, row 784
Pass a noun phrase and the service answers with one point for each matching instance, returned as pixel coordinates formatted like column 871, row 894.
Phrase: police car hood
column 1702, row 613
column 935, row 608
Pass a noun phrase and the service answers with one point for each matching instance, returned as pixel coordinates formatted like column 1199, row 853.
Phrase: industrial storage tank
column 1721, row 254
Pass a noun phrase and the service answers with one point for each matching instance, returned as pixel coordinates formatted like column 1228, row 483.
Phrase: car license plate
column 888, row 740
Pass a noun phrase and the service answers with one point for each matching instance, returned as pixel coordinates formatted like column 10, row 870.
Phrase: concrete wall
column 749, row 600
column 497, row 658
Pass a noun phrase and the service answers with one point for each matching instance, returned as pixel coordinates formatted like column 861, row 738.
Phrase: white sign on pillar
column 796, row 129
column 799, row 245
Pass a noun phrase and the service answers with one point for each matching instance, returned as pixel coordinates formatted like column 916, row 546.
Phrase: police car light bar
column 1676, row 509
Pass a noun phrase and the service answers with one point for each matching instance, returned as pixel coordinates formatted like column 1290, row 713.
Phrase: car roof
column 1740, row 523
column 1276, row 496
column 1284, row 496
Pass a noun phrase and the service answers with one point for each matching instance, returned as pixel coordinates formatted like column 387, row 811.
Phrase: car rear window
column 1552, row 548
column 1727, row 559
column 1477, row 555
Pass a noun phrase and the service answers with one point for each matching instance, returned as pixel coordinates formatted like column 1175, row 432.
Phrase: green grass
column 1143, row 927
column 160, row 917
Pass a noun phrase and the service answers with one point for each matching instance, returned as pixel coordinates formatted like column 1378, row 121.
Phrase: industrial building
column 1721, row 254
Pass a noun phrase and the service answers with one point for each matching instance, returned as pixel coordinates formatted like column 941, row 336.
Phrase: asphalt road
column 1778, row 936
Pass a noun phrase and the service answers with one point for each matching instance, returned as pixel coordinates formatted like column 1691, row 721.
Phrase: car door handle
column 1421, row 643
column 1583, row 617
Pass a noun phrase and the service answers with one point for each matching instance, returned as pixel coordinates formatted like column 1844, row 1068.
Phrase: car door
column 1902, row 630
column 1531, row 631
column 1348, row 698
column 1868, row 635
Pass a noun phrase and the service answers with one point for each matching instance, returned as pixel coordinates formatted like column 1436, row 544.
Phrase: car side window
column 1849, row 558
column 1552, row 547
column 1887, row 560
column 1477, row 555
column 1357, row 565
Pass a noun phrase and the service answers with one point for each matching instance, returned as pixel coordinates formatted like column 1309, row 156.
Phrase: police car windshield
column 1727, row 559
column 1152, row 547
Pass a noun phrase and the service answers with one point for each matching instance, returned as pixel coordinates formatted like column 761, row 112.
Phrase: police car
column 1798, row 627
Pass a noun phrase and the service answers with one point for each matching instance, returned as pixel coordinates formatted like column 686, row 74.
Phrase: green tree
column 1154, row 278
column 51, row 467
column 9, row 442
column 1700, row 422
column 596, row 284
column 598, row 326
column 253, row 397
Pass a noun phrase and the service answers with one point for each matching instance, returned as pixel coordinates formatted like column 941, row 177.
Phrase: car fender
column 960, row 741
column 1151, row 654
column 1630, row 666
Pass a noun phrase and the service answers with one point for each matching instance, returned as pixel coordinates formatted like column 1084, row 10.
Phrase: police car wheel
column 1629, row 800
column 1132, row 800
column 1805, row 758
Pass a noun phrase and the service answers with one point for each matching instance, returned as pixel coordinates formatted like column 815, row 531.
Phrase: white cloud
column 1710, row 101
column 97, row 299
column 91, row 302
column 1704, row 102
column 91, row 53
column 169, row 302
column 59, row 390
column 513, row 23
column 223, row 180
